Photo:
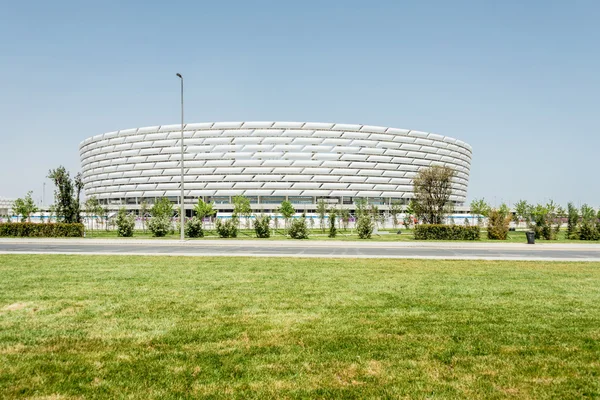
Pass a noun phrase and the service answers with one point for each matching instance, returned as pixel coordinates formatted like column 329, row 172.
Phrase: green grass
column 177, row 327
column 390, row 235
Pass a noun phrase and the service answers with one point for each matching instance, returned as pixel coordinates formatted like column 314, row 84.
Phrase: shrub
column 29, row 229
column 125, row 223
column 160, row 226
column 364, row 226
column 227, row 228
column 332, row 228
column 497, row 225
column 193, row 228
column 446, row 232
column 261, row 226
column 298, row 229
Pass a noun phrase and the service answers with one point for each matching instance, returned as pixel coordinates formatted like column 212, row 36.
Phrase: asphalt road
column 487, row 251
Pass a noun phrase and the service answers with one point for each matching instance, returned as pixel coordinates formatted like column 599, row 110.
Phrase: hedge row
column 446, row 232
column 28, row 229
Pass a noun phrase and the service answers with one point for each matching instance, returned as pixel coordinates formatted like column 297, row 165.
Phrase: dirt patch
column 15, row 306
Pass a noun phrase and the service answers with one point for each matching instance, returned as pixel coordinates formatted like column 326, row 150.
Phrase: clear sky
column 518, row 80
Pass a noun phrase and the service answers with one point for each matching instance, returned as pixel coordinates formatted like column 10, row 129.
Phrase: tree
column 242, row 208
column 523, row 211
column 162, row 212
column 395, row 210
column 374, row 211
column 262, row 226
column 364, row 226
column 572, row 220
column 66, row 195
column 345, row 218
column 432, row 188
column 125, row 223
column 204, row 210
column 91, row 208
column 144, row 208
column 332, row 217
column 498, row 221
column 361, row 207
column 481, row 209
column 25, row 207
column 287, row 211
column 409, row 213
column 321, row 211
column 587, row 228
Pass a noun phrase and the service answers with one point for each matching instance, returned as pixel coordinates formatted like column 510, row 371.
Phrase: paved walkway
column 299, row 248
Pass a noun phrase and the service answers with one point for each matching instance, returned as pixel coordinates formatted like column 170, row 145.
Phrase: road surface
column 323, row 249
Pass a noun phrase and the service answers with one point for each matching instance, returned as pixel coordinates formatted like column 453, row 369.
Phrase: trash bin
column 530, row 237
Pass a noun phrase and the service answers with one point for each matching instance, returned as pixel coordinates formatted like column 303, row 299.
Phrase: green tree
column 332, row 218
column 481, row 209
column 374, row 211
column 321, row 212
column 262, row 226
column 572, row 220
column 364, row 226
column 125, row 223
column 523, row 211
column 204, row 210
column 66, row 195
column 242, row 208
column 432, row 188
column 360, row 207
column 498, row 221
column 91, row 207
column 25, row 207
column 287, row 211
column 345, row 218
column 144, row 209
column 409, row 213
column 587, row 228
column 162, row 213
column 395, row 210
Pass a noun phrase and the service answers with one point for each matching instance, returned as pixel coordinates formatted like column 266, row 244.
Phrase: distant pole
column 182, row 211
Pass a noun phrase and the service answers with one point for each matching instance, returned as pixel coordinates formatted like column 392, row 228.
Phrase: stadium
column 268, row 162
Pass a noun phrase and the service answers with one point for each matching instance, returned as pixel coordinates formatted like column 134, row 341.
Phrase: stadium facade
column 268, row 162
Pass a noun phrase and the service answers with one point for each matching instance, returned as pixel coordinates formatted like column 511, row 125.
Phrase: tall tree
column 395, row 210
column 345, row 217
column 241, row 208
column 25, row 207
column 572, row 220
column 322, row 212
column 481, row 209
column 204, row 210
column 66, row 195
column 432, row 188
column 287, row 211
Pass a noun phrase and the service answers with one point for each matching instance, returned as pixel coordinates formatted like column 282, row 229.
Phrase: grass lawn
column 184, row 327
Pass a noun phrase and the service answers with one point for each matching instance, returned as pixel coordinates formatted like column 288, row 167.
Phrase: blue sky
column 518, row 80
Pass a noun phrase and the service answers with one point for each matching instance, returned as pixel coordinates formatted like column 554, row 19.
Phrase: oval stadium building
column 268, row 162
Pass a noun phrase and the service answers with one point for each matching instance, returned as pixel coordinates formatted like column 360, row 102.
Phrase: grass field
column 182, row 327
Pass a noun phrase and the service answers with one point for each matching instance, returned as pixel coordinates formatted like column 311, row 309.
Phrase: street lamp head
column 179, row 75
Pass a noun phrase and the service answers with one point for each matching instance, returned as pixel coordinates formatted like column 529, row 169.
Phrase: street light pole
column 182, row 211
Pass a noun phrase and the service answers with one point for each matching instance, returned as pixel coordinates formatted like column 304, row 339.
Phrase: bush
column 262, row 226
column 29, row 229
column 364, row 227
column 446, row 232
column 227, row 228
column 497, row 225
column 193, row 228
column 125, row 223
column 160, row 226
column 332, row 228
column 298, row 229
column 588, row 231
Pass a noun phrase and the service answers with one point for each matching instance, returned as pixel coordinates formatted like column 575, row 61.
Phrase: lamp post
column 182, row 211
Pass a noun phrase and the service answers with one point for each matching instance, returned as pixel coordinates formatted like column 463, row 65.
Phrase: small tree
column 374, row 211
column 66, row 195
column 364, row 226
column 523, row 211
column 144, row 209
column 432, row 188
column 395, row 210
column 91, row 207
column 242, row 208
column 345, row 218
column 125, row 223
column 481, row 209
column 25, row 207
column 162, row 212
column 361, row 207
column 204, row 210
column 193, row 228
column 572, row 221
column 332, row 218
column 409, row 213
column 298, row 229
column 321, row 212
column 287, row 211
column 588, row 229
column 262, row 226
column 227, row 228
column 498, row 221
